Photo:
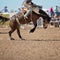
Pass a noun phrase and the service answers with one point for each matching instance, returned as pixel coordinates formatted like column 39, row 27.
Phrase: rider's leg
column 27, row 13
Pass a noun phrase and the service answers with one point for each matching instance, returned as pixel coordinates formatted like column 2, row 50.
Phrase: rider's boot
column 27, row 13
column 25, row 17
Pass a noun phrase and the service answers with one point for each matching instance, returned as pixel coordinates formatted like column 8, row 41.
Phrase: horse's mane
column 43, row 14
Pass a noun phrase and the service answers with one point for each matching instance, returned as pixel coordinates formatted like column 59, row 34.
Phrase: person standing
column 57, row 10
column 51, row 12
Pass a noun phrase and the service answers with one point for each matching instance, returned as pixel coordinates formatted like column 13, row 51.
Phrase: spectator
column 51, row 12
column 5, row 9
column 57, row 10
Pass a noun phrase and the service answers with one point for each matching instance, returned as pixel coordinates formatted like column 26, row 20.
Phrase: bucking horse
column 18, row 19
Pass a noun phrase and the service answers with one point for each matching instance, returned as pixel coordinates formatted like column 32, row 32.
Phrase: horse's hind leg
column 10, row 32
column 18, row 32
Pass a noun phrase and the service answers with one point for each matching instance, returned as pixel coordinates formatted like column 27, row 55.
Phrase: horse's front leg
column 33, row 29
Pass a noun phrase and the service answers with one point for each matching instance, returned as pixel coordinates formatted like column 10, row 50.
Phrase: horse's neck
column 34, row 13
column 34, row 16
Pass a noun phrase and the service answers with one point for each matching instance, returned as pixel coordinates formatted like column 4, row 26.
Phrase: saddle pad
column 36, row 10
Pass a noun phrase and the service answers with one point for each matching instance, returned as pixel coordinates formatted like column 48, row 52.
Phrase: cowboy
column 28, row 5
column 31, row 7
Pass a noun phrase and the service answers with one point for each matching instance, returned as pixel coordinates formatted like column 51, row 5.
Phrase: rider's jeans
column 28, row 12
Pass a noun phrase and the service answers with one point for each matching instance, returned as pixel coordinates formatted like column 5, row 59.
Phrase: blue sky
column 15, row 4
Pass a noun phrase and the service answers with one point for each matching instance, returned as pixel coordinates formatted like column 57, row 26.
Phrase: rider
column 28, row 5
column 31, row 7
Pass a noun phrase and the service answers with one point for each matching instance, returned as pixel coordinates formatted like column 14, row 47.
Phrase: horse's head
column 46, row 21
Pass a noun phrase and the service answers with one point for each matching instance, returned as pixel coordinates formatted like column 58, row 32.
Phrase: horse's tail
column 4, row 19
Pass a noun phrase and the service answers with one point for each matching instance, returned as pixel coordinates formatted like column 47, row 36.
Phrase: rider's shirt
column 27, row 4
column 31, row 7
column 27, row 1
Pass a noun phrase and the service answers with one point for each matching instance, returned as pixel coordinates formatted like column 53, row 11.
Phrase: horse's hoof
column 12, row 38
column 22, row 39
column 31, row 31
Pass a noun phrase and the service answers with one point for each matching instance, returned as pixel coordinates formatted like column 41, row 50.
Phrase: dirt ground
column 43, row 44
